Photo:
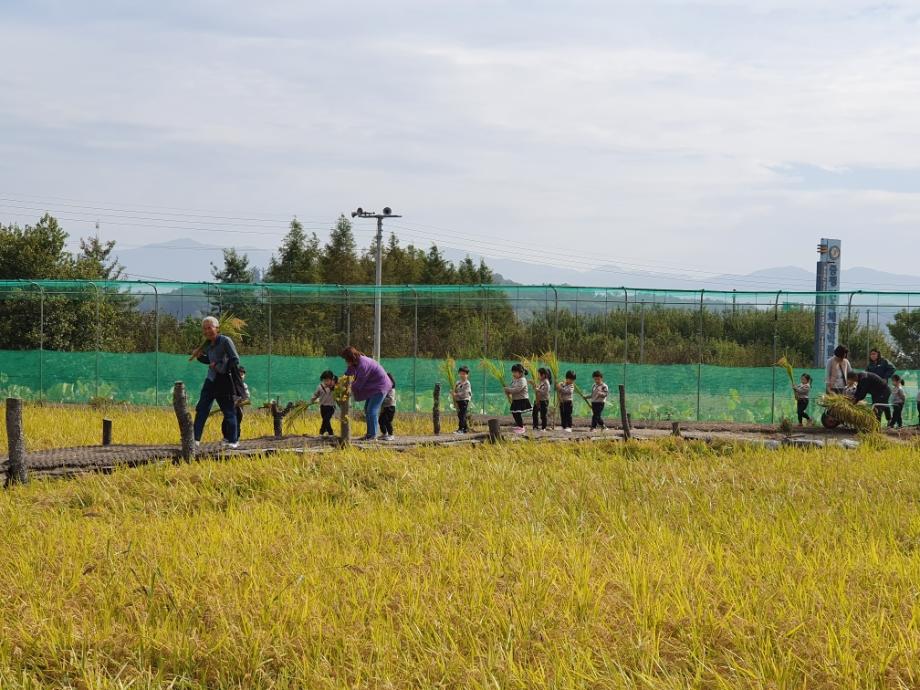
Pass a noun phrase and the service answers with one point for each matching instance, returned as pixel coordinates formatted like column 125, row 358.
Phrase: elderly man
column 219, row 354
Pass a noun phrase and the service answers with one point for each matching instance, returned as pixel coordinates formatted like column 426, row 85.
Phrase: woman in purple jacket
column 369, row 385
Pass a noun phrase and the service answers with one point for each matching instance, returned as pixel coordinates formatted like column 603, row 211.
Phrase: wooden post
column 624, row 418
column 495, row 431
column 106, row 432
column 277, row 416
column 344, row 423
column 436, row 410
column 186, row 429
column 16, row 472
column 675, row 428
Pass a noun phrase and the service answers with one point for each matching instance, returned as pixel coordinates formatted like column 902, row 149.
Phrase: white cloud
column 659, row 127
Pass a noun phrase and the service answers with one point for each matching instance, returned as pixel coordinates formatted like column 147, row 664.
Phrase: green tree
column 298, row 259
column 236, row 268
column 905, row 331
column 95, row 260
column 340, row 264
column 35, row 251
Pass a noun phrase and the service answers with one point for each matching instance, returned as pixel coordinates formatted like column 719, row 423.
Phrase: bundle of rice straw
column 449, row 369
column 552, row 363
column 584, row 397
column 859, row 417
column 296, row 414
column 784, row 363
column 531, row 364
column 496, row 371
column 342, row 390
column 228, row 325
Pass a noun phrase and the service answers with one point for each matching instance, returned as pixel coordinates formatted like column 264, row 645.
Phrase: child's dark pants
column 565, row 411
column 539, row 414
column 463, row 407
column 386, row 420
column 326, row 412
column 597, row 409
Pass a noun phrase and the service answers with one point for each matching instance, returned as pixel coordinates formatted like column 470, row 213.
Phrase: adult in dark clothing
column 220, row 355
column 882, row 368
column 870, row 384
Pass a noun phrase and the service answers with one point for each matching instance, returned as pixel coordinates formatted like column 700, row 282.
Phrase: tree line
column 480, row 323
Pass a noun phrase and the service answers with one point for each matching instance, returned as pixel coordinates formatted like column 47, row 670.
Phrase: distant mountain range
column 189, row 261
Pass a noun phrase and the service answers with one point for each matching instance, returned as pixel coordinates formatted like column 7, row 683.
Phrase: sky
column 716, row 136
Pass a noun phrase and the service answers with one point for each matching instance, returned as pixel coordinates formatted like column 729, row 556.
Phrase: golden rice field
column 63, row 426
column 600, row 565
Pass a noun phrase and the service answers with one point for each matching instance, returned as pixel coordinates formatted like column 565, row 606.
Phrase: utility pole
column 387, row 213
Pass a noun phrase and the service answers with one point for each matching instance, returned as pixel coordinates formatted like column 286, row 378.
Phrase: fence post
column 699, row 364
column 495, row 430
column 625, row 331
column 156, row 343
column 344, row 422
column 624, row 417
column 775, row 355
column 415, row 355
column 436, row 409
column 41, row 339
column 485, row 347
column 98, row 338
column 186, row 430
column 269, row 377
column 16, row 472
column 106, row 432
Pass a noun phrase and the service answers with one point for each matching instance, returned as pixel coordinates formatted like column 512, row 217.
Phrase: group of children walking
column 518, row 393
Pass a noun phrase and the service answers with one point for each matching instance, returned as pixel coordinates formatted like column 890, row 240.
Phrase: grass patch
column 593, row 565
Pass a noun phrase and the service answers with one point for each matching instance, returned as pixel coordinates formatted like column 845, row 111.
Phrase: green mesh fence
column 683, row 354
column 655, row 392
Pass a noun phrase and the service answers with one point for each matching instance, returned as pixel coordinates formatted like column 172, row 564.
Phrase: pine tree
column 298, row 260
column 340, row 264
column 236, row 268
column 95, row 260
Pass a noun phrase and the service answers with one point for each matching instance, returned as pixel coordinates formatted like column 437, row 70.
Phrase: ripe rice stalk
column 787, row 367
column 296, row 414
column 531, row 364
column 496, row 371
column 342, row 390
column 449, row 368
column 582, row 395
column 860, row 417
column 551, row 361
column 229, row 325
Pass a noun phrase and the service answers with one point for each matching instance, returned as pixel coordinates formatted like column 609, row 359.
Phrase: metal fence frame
column 626, row 299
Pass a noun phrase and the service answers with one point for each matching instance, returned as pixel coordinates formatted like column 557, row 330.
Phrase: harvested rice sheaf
column 229, row 325
column 860, row 417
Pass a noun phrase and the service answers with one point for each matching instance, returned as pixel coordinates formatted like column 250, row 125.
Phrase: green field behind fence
column 676, row 391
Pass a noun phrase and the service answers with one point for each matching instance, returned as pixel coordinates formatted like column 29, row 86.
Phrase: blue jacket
column 222, row 353
column 881, row 368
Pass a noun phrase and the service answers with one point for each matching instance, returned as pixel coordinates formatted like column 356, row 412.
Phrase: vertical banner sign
column 826, row 301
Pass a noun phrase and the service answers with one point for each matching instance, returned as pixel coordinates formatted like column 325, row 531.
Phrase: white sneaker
column 519, row 430
column 459, row 432
column 197, row 444
column 388, row 437
column 568, row 431
column 230, row 445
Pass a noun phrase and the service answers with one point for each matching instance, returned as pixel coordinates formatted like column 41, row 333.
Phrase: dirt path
column 62, row 462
